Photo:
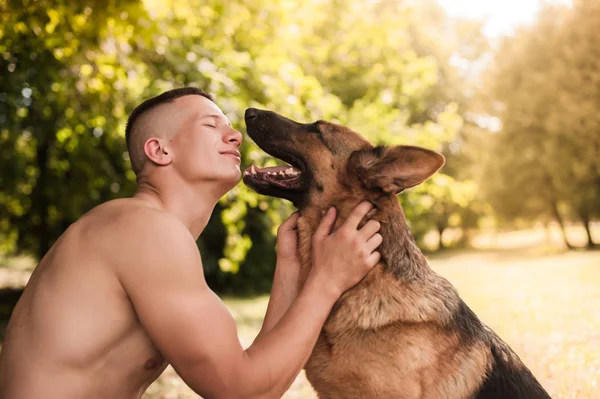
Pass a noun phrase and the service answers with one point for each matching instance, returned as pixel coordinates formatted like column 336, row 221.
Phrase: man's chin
column 231, row 181
column 221, row 182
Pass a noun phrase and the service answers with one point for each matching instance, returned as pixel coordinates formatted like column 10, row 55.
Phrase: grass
column 545, row 307
column 540, row 299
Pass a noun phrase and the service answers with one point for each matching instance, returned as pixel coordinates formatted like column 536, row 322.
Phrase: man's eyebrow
column 217, row 117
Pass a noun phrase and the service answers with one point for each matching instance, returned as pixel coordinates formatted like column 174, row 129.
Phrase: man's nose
column 234, row 137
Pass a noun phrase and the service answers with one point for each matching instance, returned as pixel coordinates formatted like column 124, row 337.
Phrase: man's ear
column 393, row 169
column 157, row 152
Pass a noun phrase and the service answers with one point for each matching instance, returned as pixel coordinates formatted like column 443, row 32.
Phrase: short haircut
column 148, row 105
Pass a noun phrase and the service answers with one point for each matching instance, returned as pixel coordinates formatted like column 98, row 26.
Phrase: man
column 121, row 293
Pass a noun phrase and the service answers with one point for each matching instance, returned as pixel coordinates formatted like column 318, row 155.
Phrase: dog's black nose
column 251, row 113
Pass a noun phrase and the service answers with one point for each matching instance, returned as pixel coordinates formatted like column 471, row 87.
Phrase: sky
column 502, row 16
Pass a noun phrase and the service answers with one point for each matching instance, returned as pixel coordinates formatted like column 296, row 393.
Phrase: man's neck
column 192, row 205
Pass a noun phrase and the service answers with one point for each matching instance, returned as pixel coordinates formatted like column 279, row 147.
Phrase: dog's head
column 329, row 162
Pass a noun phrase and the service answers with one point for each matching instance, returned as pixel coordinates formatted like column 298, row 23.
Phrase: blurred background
column 508, row 91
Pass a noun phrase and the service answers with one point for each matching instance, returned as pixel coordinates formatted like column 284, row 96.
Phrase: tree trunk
column 465, row 237
column 559, row 219
column 441, row 230
column 585, row 220
column 548, row 232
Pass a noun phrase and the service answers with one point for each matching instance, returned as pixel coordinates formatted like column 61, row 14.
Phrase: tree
column 53, row 119
column 547, row 150
column 575, row 121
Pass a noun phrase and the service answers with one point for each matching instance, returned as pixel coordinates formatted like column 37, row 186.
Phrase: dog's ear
column 393, row 169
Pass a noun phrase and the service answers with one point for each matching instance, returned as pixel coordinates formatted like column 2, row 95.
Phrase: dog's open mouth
column 284, row 177
column 278, row 137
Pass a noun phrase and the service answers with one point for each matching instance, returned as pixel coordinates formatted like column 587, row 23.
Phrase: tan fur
column 393, row 319
column 398, row 361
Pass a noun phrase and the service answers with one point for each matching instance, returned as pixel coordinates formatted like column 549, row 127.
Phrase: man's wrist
column 323, row 286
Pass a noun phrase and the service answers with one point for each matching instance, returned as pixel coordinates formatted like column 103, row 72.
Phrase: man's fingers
column 373, row 259
column 290, row 223
column 370, row 228
column 326, row 224
column 357, row 214
column 374, row 242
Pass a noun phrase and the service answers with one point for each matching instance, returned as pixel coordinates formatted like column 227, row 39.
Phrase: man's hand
column 344, row 257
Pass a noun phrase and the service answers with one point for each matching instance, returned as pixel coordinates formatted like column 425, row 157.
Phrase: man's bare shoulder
column 155, row 254
column 137, row 232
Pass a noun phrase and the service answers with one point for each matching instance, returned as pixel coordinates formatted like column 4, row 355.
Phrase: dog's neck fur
column 403, row 258
column 402, row 265
column 400, row 254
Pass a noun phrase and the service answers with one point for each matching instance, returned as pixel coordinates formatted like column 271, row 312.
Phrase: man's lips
column 233, row 153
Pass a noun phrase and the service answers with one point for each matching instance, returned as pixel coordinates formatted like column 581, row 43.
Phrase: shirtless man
column 121, row 294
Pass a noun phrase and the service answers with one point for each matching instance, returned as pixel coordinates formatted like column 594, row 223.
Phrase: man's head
column 183, row 130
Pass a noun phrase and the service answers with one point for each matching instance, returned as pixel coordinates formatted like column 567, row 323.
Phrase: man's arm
column 289, row 343
column 282, row 296
column 285, row 287
column 196, row 333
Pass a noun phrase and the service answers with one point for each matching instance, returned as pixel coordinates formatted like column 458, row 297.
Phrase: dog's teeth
column 253, row 170
column 281, row 173
column 292, row 172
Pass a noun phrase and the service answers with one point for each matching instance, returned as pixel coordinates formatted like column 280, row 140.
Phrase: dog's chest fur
column 384, row 327
column 397, row 361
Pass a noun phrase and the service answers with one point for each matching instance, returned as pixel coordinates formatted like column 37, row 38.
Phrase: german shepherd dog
column 403, row 331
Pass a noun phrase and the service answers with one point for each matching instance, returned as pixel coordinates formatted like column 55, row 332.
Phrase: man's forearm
column 280, row 300
column 276, row 359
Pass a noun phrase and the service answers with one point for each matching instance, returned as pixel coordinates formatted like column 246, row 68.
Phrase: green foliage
column 71, row 73
column 58, row 113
